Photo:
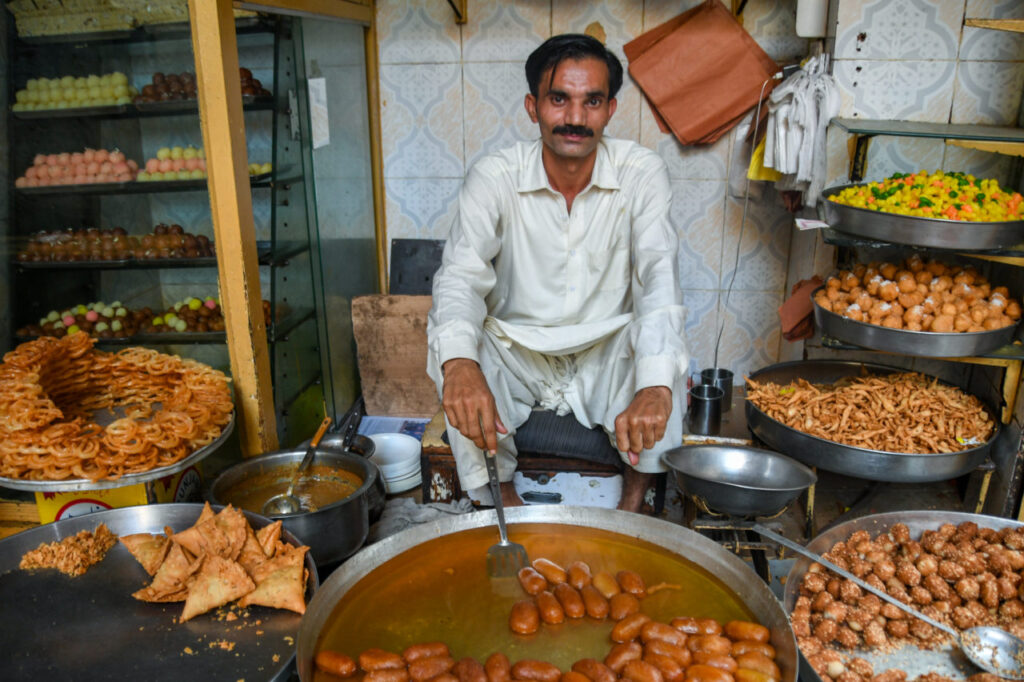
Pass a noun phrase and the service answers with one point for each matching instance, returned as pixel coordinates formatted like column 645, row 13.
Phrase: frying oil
column 441, row 591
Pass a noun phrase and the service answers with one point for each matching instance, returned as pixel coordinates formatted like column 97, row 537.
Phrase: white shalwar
column 572, row 311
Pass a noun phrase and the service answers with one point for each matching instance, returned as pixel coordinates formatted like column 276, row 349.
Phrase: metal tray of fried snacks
column 946, row 660
column 918, row 230
column 850, row 460
column 907, row 342
column 90, row 627
column 78, row 484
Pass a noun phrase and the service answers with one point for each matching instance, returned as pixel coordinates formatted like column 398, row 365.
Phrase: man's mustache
column 579, row 131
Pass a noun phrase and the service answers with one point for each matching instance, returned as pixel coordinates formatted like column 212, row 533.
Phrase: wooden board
column 391, row 345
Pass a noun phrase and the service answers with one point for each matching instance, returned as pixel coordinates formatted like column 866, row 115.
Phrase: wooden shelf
column 1013, row 25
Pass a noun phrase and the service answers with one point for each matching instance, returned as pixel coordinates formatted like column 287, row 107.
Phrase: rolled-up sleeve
column 466, row 275
column 658, row 334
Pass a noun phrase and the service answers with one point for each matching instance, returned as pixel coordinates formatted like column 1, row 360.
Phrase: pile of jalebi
column 51, row 390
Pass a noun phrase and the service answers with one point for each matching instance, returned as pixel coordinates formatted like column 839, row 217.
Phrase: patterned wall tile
column 980, row 164
column 421, row 118
column 701, row 162
column 504, row 30
column 625, row 123
column 764, row 247
column 987, row 92
column 888, row 155
column 751, row 335
column 986, row 44
column 898, row 29
column 698, row 213
column 421, row 208
column 416, row 32
column 701, row 326
column 772, row 23
column 657, row 12
column 900, row 90
column 495, row 117
column 621, row 20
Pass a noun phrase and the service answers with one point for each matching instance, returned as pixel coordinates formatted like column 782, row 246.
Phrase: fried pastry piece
column 218, row 582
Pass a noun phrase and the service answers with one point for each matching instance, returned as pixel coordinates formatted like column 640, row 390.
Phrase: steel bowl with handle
column 332, row 532
column 558, row 522
column 363, row 446
column 738, row 480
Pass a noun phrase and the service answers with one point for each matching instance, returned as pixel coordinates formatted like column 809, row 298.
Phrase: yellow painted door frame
column 215, row 47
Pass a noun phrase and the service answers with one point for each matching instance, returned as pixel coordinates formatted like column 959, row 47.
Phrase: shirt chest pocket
column 608, row 264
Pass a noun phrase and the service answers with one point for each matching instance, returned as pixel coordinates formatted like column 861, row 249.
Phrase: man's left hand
column 644, row 421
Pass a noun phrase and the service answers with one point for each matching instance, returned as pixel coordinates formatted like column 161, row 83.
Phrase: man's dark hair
column 557, row 49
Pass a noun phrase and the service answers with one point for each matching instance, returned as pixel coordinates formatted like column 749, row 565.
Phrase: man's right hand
column 469, row 404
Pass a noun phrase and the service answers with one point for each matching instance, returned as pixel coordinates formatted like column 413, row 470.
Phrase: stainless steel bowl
column 943, row 660
column 332, row 532
column 738, row 480
column 920, row 231
column 849, row 460
column 364, row 447
column 907, row 342
column 725, row 566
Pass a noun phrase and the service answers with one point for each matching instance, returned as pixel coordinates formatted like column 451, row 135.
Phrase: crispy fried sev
column 72, row 555
column 901, row 412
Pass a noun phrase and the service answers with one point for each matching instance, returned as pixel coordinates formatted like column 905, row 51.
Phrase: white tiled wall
column 450, row 94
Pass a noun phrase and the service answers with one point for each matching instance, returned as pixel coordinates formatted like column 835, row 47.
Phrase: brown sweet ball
column 888, row 270
column 854, row 313
column 873, row 284
column 893, row 322
column 848, row 280
column 943, row 322
column 833, row 283
column 962, row 322
column 865, row 301
column 888, row 291
column 1013, row 310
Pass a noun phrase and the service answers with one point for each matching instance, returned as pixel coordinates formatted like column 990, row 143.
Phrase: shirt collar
column 532, row 175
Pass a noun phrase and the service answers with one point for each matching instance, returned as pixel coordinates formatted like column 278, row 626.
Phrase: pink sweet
column 102, row 155
column 152, row 165
column 68, row 320
column 77, row 157
column 21, row 182
column 32, row 182
column 202, row 164
column 177, row 164
column 30, row 172
column 51, row 159
column 63, row 158
column 106, row 168
column 89, row 155
column 165, row 165
column 92, row 168
column 92, row 316
column 131, row 164
column 39, row 160
column 210, row 304
column 81, row 179
column 116, row 157
column 192, row 164
column 52, row 171
column 119, row 167
column 102, row 177
column 42, row 181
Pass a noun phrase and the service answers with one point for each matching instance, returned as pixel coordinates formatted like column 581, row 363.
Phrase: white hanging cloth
column 799, row 111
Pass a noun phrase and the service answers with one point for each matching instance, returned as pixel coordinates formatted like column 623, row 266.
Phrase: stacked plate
column 397, row 455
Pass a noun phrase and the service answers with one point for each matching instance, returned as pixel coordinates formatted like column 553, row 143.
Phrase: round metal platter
column 875, row 465
column 920, row 231
column 906, row 342
column 947, row 660
column 729, row 569
column 54, row 627
column 77, row 484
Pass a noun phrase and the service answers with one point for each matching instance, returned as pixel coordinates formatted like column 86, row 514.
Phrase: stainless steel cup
column 720, row 378
column 705, row 414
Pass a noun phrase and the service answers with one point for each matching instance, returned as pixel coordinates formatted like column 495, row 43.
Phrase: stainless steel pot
column 364, row 447
column 332, row 532
column 724, row 565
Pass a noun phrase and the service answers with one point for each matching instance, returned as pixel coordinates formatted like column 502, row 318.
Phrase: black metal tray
column 54, row 627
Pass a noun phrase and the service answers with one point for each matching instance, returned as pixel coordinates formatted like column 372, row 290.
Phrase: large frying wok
column 727, row 568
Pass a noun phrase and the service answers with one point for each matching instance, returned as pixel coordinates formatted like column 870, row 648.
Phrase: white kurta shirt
column 558, row 282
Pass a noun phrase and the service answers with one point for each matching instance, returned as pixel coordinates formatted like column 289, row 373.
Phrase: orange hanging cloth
column 701, row 72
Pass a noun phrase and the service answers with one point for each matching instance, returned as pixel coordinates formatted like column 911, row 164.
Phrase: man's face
column 572, row 108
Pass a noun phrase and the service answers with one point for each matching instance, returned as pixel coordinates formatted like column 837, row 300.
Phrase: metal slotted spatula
column 505, row 558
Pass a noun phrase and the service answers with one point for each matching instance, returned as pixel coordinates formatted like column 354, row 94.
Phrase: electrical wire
column 743, row 221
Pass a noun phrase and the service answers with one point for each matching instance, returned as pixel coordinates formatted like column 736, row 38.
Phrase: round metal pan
column 78, row 484
column 91, row 628
column 906, row 342
column 946, row 660
column 919, row 231
column 689, row 545
column 874, row 465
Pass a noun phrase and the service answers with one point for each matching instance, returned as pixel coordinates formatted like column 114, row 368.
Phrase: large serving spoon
column 505, row 558
column 286, row 502
column 991, row 649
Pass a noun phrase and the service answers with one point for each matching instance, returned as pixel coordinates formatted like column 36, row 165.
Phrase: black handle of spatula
column 499, row 508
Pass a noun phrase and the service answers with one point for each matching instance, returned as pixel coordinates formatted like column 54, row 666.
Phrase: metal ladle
column 991, row 649
column 286, row 502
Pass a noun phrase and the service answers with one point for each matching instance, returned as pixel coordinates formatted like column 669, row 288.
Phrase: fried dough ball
column 943, row 323
column 849, row 592
column 950, row 570
column 809, row 646
column 927, row 565
column 920, row 595
column 861, row 667
column 967, row 588
column 888, row 291
column 874, row 635
column 826, row 631
column 848, row 676
column 938, row 587
column 908, row 574
column 892, row 612
column 887, row 270
column 857, row 619
column 891, row 675
column 884, row 569
column 847, row 638
column 812, row 583
column 897, row 629
column 821, row 601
